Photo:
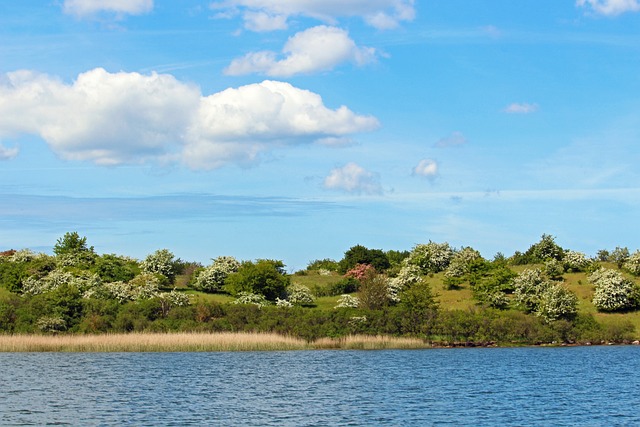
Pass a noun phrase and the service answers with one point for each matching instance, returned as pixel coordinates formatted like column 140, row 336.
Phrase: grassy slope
column 462, row 298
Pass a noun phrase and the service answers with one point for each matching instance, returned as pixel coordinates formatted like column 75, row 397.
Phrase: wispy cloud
column 610, row 7
column 454, row 140
column 8, row 153
column 521, row 108
column 88, row 8
column 353, row 178
column 319, row 48
column 269, row 15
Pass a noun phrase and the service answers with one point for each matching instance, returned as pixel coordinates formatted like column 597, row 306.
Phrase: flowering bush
column 56, row 278
column 361, row 271
column 160, row 262
column 632, row 264
column 408, row 276
column 557, row 302
column 25, row 255
column 283, row 303
column 299, row 295
column 212, row 278
column 574, row 261
column 431, row 257
column 528, row 288
column 613, row 291
column 251, row 298
column 348, row 301
column 51, row 324
column 553, row 269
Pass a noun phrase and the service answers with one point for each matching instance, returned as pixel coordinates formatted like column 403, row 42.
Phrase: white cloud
column 85, row 8
column 117, row 118
column 8, row 153
column 319, row 48
column 259, row 15
column 521, row 108
column 453, row 140
column 427, row 168
column 610, row 7
column 353, row 178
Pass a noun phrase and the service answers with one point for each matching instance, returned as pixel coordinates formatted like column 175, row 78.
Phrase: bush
column 161, row 262
column 557, row 302
column 212, row 278
column 264, row 277
column 361, row 255
column 431, row 257
column 613, row 291
column 632, row 264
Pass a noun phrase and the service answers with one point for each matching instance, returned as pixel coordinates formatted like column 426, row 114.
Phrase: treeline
column 521, row 299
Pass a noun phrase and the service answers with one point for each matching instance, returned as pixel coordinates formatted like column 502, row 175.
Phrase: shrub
column 161, row 262
column 299, row 295
column 348, row 301
column 431, row 257
column 613, row 291
column 212, row 278
column 265, row 277
column 529, row 285
column 251, row 298
column 557, row 302
column 574, row 261
column 632, row 264
column 361, row 255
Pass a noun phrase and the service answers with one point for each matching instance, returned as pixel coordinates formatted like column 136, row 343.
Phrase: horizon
column 294, row 131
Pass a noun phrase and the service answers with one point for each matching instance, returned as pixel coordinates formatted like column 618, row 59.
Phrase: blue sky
column 295, row 129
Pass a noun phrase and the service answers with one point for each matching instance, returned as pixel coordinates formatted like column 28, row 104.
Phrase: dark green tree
column 265, row 277
column 71, row 242
column 362, row 255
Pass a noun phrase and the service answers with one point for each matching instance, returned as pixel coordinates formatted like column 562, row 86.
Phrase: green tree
column 264, row 277
column 544, row 250
column 362, row 255
column 71, row 242
column 374, row 291
column 161, row 262
column 114, row 268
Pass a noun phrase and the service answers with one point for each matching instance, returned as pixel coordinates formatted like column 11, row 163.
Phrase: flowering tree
column 528, row 287
column 557, row 302
column 632, row 264
column 574, row 261
column 361, row 271
column 613, row 291
column 211, row 279
column 348, row 301
column 160, row 262
column 299, row 295
column 431, row 257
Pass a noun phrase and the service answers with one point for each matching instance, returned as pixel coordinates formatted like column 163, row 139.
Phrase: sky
column 296, row 129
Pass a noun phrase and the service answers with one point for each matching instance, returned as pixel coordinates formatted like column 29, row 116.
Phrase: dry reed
column 193, row 342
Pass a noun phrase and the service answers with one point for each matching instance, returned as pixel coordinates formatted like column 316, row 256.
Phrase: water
column 581, row 386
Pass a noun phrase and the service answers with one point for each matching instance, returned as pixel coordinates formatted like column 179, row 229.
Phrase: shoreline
column 240, row 341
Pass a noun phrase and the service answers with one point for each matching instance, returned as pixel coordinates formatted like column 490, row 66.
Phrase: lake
column 567, row 386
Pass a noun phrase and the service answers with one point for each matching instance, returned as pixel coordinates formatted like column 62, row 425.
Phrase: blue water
column 577, row 386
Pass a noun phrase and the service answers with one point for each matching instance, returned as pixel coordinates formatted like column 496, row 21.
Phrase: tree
column 374, row 291
column 619, row 256
column 529, row 285
column 557, row 302
column 264, row 277
column 544, row 250
column 361, row 255
column 160, row 262
column 212, row 278
column 431, row 257
column 632, row 264
column 613, row 291
column 71, row 242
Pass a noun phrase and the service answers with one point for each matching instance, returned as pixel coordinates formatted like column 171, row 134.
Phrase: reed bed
column 370, row 342
column 151, row 342
column 195, row 342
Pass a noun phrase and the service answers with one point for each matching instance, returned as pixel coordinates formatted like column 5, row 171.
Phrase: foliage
column 540, row 252
column 361, row 255
column 408, row 276
column 632, row 264
column 619, row 256
column 265, row 277
column 554, row 269
column 113, row 268
column 299, row 295
column 360, row 271
column 71, row 243
column 212, row 278
column 161, row 262
column 529, row 286
column 431, row 257
column 374, row 291
column 348, row 301
column 323, row 264
column 251, row 298
column 574, row 261
column 557, row 302
column 613, row 291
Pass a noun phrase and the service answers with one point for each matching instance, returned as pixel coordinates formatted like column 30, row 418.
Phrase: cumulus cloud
column 7, row 153
column 260, row 15
column 319, row 48
column 85, row 8
column 353, row 178
column 521, row 108
column 453, row 140
column 610, row 7
column 116, row 118
column 427, row 168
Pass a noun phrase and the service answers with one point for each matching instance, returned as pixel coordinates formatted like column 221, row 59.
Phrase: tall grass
column 193, row 342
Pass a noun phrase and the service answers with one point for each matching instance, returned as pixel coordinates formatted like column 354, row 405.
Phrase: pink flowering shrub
column 361, row 271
